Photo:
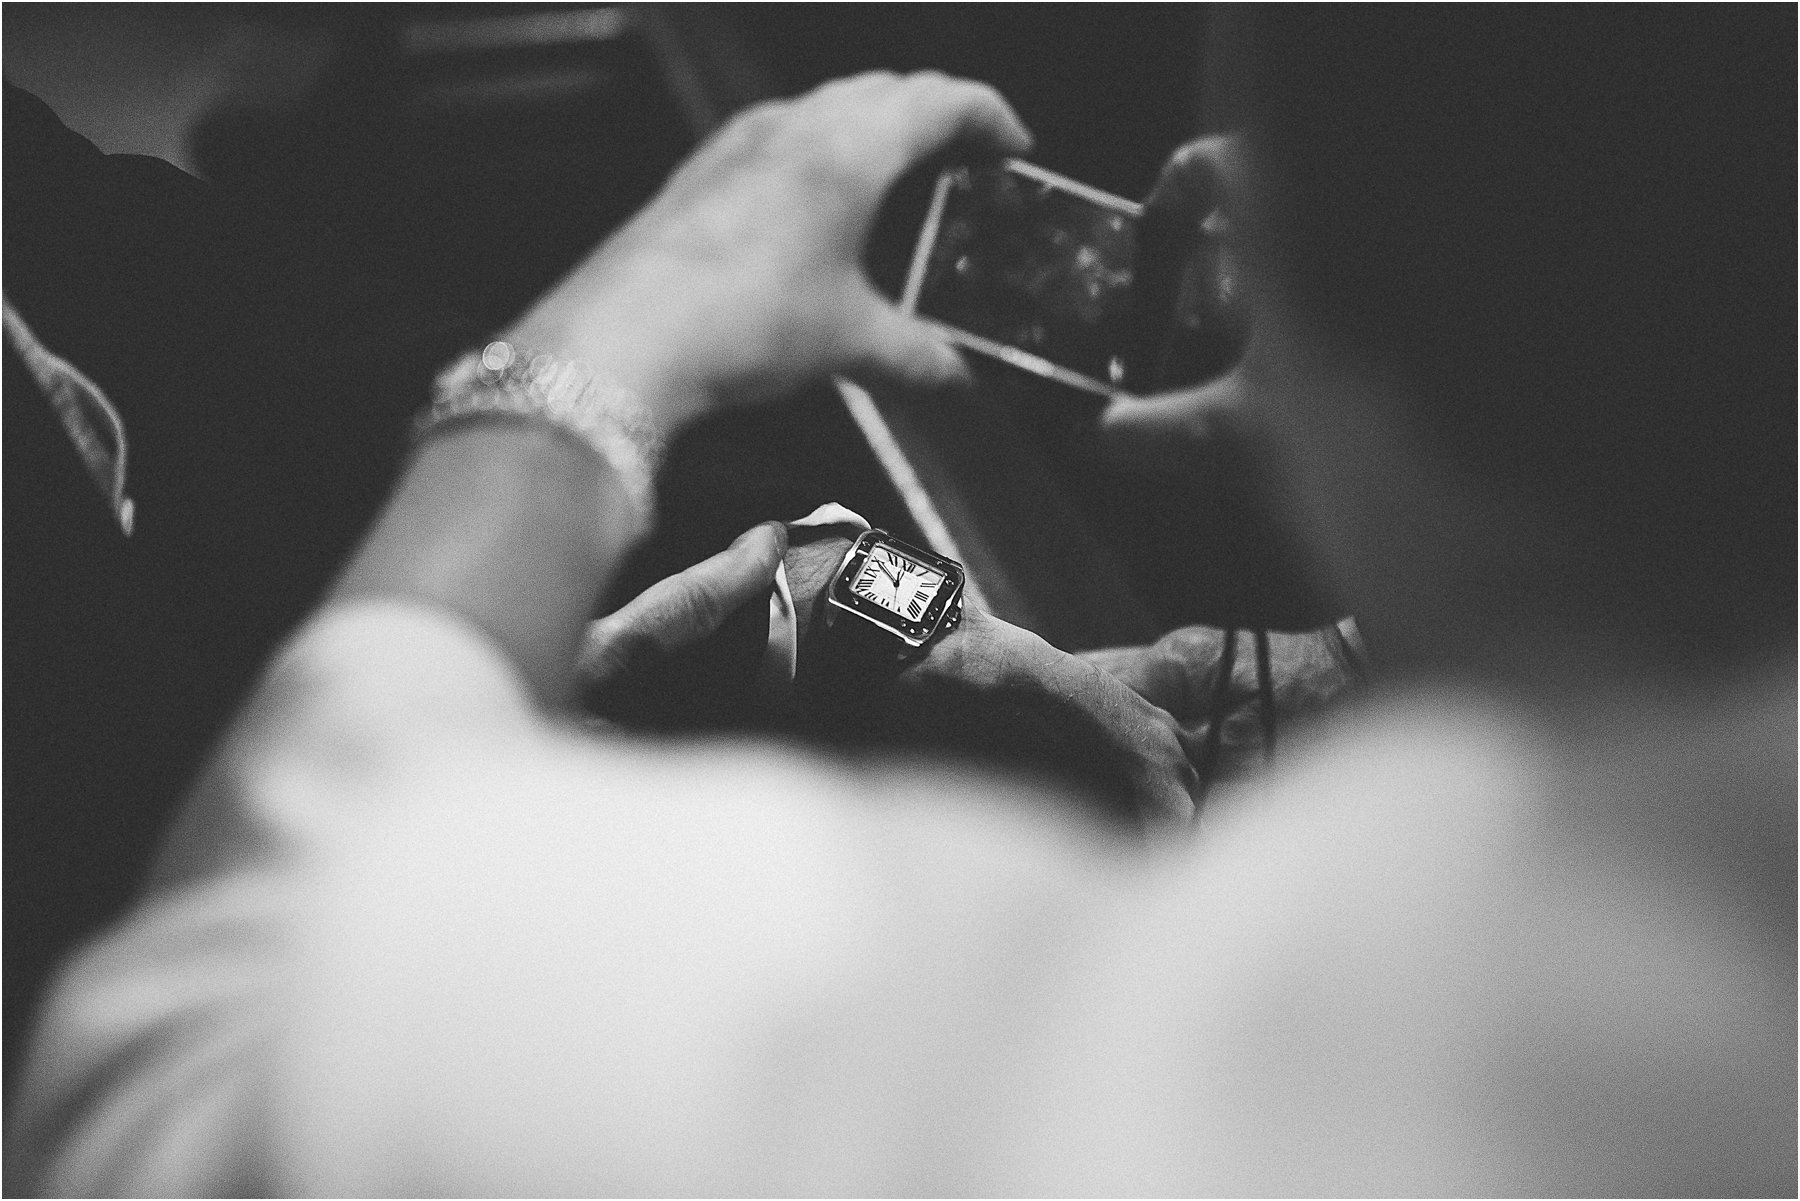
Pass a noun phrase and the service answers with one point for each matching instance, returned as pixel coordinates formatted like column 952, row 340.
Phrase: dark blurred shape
column 1062, row 301
column 1579, row 262
column 476, row 150
column 1107, row 89
column 1189, row 324
column 264, row 389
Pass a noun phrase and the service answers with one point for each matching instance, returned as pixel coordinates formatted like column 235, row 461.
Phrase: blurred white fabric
column 414, row 939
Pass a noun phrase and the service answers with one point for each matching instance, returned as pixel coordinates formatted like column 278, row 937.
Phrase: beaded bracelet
column 502, row 380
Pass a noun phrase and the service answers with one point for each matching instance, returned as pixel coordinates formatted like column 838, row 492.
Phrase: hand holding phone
column 1117, row 300
column 1031, row 268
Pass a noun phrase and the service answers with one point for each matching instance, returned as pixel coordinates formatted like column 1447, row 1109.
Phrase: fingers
column 902, row 351
column 1140, row 738
column 1169, row 230
column 1176, row 674
column 1147, row 671
column 1175, row 267
column 684, row 608
column 1189, row 184
column 941, row 112
column 1149, row 745
column 690, row 605
column 889, row 123
column 1176, row 436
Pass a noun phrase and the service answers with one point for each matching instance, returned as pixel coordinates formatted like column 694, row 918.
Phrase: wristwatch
column 885, row 605
column 890, row 599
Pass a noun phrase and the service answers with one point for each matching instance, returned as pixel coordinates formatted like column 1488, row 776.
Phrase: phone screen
column 1030, row 267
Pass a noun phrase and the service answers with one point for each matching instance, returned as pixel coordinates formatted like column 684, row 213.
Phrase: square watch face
column 897, row 582
column 895, row 585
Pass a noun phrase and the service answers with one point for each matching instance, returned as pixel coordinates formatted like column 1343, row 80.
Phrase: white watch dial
column 896, row 583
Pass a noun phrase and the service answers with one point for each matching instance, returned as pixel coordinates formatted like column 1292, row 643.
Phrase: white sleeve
column 140, row 1079
column 411, row 936
column 416, row 941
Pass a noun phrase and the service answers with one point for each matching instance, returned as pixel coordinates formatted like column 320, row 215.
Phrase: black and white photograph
column 899, row 600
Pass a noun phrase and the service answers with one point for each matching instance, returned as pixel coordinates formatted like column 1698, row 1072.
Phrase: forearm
column 513, row 525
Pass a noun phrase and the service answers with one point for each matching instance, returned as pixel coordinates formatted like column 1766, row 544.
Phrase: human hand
column 1191, row 675
column 993, row 687
column 1198, row 453
column 626, row 657
column 743, row 278
column 995, row 691
column 1185, row 283
column 1189, row 322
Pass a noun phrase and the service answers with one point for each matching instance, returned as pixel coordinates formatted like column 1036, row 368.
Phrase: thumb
column 685, row 608
column 904, row 352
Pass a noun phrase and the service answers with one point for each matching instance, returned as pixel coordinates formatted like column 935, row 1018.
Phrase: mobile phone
column 1032, row 268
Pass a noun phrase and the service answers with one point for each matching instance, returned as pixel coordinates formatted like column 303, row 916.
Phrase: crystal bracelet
column 502, row 380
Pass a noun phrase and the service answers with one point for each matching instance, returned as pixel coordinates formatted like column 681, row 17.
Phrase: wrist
column 503, row 380
column 977, row 656
column 631, row 343
column 492, row 521
column 851, row 675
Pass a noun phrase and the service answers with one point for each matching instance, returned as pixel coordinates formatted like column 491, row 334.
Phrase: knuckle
column 829, row 93
column 1173, row 678
column 957, row 93
column 840, row 91
column 759, row 120
column 830, row 158
column 876, row 78
column 764, row 546
column 983, row 96
column 1193, row 154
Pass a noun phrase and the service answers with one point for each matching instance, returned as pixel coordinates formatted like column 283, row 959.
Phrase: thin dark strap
column 1265, row 692
column 1209, row 749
